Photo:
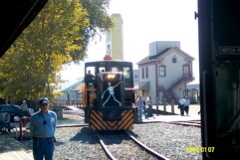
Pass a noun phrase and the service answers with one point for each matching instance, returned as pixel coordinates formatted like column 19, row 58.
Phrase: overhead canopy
column 145, row 85
column 15, row 16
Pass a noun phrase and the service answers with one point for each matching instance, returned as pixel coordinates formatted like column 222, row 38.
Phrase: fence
column 64, row 103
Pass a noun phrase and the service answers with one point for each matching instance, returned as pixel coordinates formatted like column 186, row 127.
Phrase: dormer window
column 174, row 59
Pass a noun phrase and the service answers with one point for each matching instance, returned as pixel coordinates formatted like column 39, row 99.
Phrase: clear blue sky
column 145, row 22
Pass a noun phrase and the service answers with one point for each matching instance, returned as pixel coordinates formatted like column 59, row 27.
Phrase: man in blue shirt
column 42, row 130
column 141, row 108
column 181, row 106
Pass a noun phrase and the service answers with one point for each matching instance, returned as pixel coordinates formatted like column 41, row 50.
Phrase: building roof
column 193, row 86
column 165, row 53
column 15, row 17
column 70, row 86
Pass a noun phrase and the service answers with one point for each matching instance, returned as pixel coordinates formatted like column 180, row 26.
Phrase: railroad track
column 73, row 112
column 195, row 123
column 125, row 146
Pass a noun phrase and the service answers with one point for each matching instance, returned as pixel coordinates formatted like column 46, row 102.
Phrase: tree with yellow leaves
column 58, row 35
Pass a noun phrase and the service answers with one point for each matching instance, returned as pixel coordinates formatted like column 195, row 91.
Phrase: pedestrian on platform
column 42, row 130
column 133, row 105
column 145, row 106
column 186, row 105
column 140, row 108
column 181, row 106
column 149, row 109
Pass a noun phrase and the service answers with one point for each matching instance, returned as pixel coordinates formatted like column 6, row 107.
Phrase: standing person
column 145, row 107
column 186, row 105
column 181, row 105
column 42, row 130
column 149, row 110
column 137, row 105
column 24, row 108
column 140, row 108
column 6, row 121
column 133, row 105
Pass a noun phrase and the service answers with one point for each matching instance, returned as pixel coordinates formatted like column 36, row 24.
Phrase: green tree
column 99, row 22
column 59, row 34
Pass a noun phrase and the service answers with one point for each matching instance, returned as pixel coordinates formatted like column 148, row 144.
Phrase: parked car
column 14, row 111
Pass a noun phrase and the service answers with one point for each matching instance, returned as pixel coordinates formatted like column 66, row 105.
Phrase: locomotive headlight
column 111, row 76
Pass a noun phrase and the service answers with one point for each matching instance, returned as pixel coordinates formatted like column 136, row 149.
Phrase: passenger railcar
column 108, row 95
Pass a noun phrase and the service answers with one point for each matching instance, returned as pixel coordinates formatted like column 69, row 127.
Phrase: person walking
column 181, row 106
column 140, row 108
column 42, row 130
column 186, row 105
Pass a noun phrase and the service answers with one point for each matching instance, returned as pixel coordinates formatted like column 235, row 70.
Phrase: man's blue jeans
column 140, row 113
column 43, row 148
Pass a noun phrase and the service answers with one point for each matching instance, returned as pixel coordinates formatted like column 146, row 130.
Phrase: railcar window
column 126, row 72
column 90, row 70
column 115, row 69
column 102, row 69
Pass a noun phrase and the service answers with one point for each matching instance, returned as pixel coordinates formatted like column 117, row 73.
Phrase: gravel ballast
column 170, row 140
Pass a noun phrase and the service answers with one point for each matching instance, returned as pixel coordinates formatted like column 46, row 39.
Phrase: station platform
column 11, row 149
column 193, row 114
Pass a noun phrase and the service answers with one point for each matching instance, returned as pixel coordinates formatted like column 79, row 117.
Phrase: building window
column 174, row 59
column 162, row 71
column 146, row 72
column 142, row 73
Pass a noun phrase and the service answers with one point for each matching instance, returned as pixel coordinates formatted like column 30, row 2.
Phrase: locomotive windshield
column 95, row 68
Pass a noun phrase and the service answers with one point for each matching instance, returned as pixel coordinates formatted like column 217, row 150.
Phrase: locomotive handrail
column 205, row 80
column 234, row 122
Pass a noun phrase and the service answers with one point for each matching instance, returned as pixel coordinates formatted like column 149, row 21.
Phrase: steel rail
column 105, row 148
column 185, row 123
column 71, row 125
column 154, row 153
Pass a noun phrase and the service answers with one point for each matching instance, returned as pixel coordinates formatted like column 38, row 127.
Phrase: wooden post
column 172, row 104
column 157, row 101
column 20, row 128
column 58, row 111
column 164, row 105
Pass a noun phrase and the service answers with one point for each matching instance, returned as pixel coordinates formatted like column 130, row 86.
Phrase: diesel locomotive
column 108, row 95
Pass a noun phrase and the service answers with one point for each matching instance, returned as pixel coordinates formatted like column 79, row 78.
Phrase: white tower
column 114, row 38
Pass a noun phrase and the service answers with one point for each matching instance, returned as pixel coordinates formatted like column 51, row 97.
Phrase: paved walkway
column 193, row 114
column 12, row 149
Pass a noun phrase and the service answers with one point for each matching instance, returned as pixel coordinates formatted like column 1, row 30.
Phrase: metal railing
column 64, row 103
